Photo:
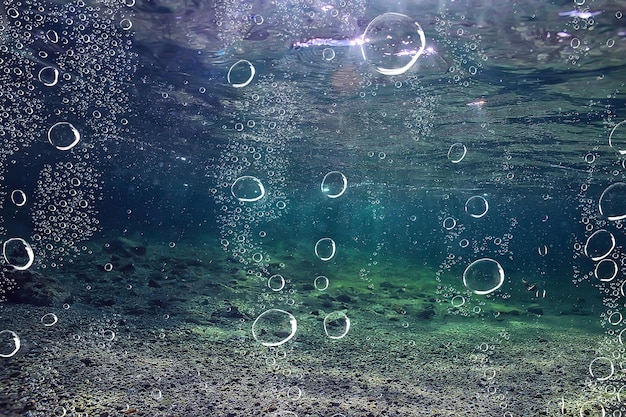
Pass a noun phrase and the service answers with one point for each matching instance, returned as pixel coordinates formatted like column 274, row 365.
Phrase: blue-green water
column 304, row 208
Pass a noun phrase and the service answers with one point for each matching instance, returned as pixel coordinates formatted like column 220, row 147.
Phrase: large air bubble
column 274, row 327
column 617, row 138
column 476, row 206
column 18, row 197
column 9, row 343
column 601, row 368
column 247, row 189
column 63, row 136
column 457, row 152
column 606, row 270
column 334, row 184
column 48, row 76
column 392, row 43
column 276, row 282
column 592, row 408
column 325, row 249
column 321, row 283
column 18, row 253
column 483, row 276
column 336, row 325
column 241, row 73
column 600, row 244
column 612, row 203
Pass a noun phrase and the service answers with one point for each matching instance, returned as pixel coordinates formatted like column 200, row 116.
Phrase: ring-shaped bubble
column 591, row 408
column 276, row 282
column 617, row 138
column 336, row 325
column 476, row 206
column 61, row 138
column 294, row 393
column 126, row 24
column 270, row 327
column 457, row 301
column 15, row 340
column 611, row 202
column 18, row 197
column 328, row 54
column 7, row 250
column 334, row 184
column 483, row 276
column 247, row 189
column 392, row 43
column 48, row 76
column 601, row 374
column 49, row 319
column 620, row 394
column 606, row 270
column 449, row 223
column 52, row 36
column 325, row 249
column 321, row 283
column 235, row 71
column 615, row 318
column 59, row 411
column 108, row 335
column 599, row 245
column 457, row 152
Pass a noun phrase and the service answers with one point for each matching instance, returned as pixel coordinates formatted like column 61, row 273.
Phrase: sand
column 170, row 343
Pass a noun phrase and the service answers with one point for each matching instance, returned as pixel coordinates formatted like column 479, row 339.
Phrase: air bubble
column 10, row 342
column 274, row 327
column 392, row 43
column 334, row 184
column 48, row 76
column 18, row 253
column 325, row 249
column 241, row 73
column 63, row 136
column 336, row 325
column 476, row 206
column 457, row 152
column 483, row 276
column 247, row 189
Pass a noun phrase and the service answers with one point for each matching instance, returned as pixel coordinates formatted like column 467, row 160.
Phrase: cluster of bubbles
column 581, row 21
column 252, row 168
column 485, row 367
column 71, row 60
column 66, row 67
column 275, row 326
column 506, row 173
column 600, row 259
column 479, row 254
column 64, row 210
column 463, row 48
column 251, row 194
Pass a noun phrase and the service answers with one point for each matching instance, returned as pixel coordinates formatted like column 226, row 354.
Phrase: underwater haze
column 308, row 208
